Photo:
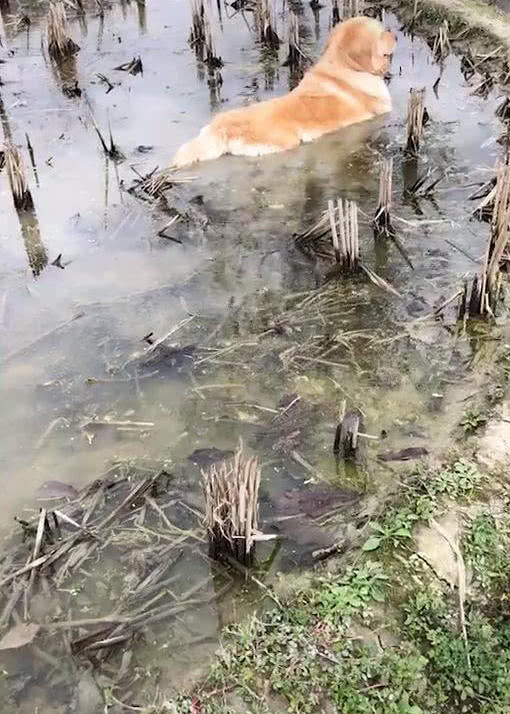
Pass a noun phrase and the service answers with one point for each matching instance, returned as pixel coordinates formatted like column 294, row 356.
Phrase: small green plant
column 394, row 529
column 458, row 481
column 338, row 597
column 473, row 419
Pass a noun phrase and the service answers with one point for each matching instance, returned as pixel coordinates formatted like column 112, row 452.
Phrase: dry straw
column 60, row 44
column 231, row 491
column 344, row 233
column 485, row 288
column 415, row 119
column 267, row 24
column 382, row 218
column 15, row 171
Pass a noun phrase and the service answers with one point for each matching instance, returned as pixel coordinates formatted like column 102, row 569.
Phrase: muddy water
column 65, row 332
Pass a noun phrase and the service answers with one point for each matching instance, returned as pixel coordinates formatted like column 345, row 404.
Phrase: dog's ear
column 361, row 44
column 383, row 49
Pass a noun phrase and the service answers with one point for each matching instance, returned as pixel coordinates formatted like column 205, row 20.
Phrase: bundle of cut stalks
column 382, row 218
column 339, row 226
column 415, row 119
column 60, row 44
column 344, row 233
column 231, row 491
column 267, row 25
column 15, row 171
column 486, row 287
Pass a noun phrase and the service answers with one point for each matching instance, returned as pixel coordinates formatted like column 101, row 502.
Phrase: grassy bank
column 385, row 633
column 482, row 21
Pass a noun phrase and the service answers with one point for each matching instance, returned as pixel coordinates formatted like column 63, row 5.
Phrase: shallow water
column 63, row 333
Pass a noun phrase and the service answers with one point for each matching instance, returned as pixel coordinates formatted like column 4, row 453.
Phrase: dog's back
column 343, row 88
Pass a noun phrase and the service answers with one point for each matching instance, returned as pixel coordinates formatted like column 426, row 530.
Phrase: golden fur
column 346, row 86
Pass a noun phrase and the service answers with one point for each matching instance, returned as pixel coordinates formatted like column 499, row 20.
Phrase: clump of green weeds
column 473, row 419
column 338, row 597
column 486, row 546
column 465, row 677
column 309, row 664
column 424, row 499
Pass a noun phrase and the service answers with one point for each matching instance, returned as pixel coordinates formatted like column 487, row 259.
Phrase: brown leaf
column 19, row 635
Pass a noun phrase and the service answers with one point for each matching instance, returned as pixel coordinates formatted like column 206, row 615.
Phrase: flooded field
column 257, row 346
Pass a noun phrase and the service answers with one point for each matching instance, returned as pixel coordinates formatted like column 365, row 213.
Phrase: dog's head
column 361, row 44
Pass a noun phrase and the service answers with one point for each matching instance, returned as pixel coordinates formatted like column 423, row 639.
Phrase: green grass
column 424, row 498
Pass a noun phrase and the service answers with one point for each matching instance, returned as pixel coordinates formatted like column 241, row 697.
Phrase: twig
column 461, row 580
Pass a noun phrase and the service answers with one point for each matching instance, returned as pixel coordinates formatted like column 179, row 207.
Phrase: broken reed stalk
column 198, row 23
column 201, row 38
column 231, row 491
column 441, row 48
column 267, row 25
column 60, row 44
column 353, row 8
column 415, row 119
column 211, row 59
column 344, row 232
column 295, row 57
column 346, row 434
column 335, row 13
column 486, row 287
column 32, row 159
column 15, row 171
column 382, row 218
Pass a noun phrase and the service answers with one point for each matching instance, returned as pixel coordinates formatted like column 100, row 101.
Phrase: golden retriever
column 346, row 86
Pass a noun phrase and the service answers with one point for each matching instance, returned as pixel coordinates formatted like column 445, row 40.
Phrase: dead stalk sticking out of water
column 346, row 434
column 15, row 171
column 296, row 56
column 415, row 119
column 344, row 233
column 382, row 218
column 231, row 491
column 211, row 59
column 442, row 47
column 60, row 43
column 198, row 23
column 352, row 8
column 485, row 288
column 267, row 25
column 335, row 13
